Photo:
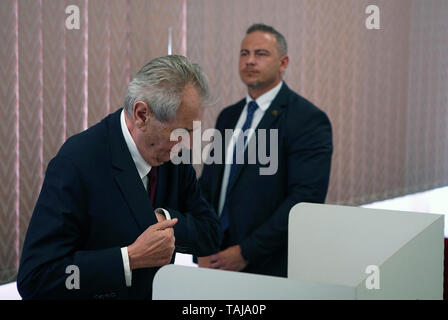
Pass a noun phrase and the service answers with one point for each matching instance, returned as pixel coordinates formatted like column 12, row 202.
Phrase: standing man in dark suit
column 254, row 208
column 95, row 218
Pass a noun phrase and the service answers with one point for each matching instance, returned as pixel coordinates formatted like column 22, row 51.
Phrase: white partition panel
column 174, row 282
column 334, row 252
column 384, row 254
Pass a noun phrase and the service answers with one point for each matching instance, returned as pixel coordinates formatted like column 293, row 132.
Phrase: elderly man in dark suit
column 95, row 213
column 253, row 207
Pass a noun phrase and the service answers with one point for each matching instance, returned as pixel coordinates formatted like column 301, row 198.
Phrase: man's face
column 153, row 137
column 260, row 65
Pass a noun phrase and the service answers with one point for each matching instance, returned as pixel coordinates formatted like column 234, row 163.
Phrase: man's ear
column 142, row 114
column 284, row 61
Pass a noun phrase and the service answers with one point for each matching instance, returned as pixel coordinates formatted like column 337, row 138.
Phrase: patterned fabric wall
column 385, row 91
column 426, row 139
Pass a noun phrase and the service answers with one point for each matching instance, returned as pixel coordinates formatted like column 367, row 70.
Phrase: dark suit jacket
column 91, row 204
column 259, row 205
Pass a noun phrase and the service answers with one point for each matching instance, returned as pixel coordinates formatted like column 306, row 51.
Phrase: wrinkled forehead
column 190, row 109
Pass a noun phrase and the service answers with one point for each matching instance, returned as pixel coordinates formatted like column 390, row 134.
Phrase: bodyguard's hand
column 204, row 262
column 229, row 259
column 154, row 247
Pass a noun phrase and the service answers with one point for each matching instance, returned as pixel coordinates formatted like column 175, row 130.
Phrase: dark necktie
column 224, row 218
column 152, row 183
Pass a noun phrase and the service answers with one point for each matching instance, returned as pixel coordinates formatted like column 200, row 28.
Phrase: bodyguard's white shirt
column 263, row 102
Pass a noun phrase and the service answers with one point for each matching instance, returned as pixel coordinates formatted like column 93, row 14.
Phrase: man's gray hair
column 282, row 46
column 160, row 84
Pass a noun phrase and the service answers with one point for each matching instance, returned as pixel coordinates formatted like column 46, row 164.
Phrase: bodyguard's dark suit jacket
column 91, row 204
column 259, row 204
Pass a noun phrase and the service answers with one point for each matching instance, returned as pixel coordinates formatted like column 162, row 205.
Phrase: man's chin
column 158, row 162
column 164, row 159
column 252, row 84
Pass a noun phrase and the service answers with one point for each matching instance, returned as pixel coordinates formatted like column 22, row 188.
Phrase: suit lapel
column 228, row 123
column 162, row 184
column 127, row 178
column 275, row 109
column 137, row 198
column 271, row 115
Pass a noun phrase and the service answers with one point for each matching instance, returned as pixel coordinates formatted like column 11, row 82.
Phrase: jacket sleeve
column 197, row 231
column 54, row 242
column 308, row 156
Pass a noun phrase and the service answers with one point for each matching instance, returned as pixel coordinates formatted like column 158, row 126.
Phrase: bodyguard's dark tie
column 224, row 218
column 152, row 183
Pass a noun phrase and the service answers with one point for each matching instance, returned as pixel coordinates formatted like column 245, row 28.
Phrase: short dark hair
column 282, row 46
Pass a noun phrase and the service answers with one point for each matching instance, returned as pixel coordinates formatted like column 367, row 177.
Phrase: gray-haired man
column 95, row 213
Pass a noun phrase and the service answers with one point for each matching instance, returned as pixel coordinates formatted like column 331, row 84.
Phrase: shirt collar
column 264, row 101
column 143, row 167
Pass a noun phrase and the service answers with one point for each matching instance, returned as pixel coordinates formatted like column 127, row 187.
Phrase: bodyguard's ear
column 284, row 61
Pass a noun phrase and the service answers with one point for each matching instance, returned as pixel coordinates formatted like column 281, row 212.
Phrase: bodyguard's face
column 260, row 65
column 152, row 137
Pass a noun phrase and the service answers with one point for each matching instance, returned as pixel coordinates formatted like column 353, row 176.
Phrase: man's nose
column 250, row 60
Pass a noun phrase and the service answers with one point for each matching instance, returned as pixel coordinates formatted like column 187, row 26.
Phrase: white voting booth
column 334, row 252
column 346, row 245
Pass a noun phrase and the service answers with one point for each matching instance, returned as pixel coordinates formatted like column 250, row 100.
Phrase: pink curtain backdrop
column 385, row 91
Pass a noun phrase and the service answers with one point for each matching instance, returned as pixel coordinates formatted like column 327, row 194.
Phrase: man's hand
column 160, row 217
column 228, row 259
column 154, row 247
column 204, row 262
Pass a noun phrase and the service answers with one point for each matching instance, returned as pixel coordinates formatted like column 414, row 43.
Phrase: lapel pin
column 274, row 112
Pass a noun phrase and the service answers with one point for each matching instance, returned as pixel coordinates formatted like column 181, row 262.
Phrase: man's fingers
column 204, row 261
column 215, row 262
column 166, row 224
column 216, row 265
column 160, row 217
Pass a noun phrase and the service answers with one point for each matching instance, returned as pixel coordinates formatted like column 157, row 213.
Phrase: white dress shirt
column 263, row 102
column 143, row 169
